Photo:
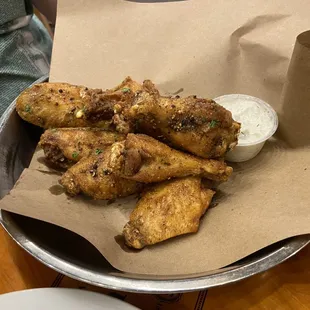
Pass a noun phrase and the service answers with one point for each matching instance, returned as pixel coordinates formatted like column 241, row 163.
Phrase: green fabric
column 24, row 57
column 12, row 9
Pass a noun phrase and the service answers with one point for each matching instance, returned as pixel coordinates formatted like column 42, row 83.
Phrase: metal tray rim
column 154, row 286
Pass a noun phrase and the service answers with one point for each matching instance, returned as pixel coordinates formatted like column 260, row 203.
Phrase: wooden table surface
column 286, row 286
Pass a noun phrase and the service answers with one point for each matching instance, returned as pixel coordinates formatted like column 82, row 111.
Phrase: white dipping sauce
column 256, row 119
column 259, row 121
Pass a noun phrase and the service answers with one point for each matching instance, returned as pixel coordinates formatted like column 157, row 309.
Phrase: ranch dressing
column 256, row 117
column 259, row 121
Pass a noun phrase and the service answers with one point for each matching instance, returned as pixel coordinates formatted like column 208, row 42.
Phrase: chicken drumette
column 199, row 126
column 144, row 159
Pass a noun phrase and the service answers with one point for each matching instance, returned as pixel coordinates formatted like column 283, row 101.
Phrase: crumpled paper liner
column 202, row 48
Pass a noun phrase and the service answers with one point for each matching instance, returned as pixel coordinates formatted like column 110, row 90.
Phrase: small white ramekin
column 247, row 150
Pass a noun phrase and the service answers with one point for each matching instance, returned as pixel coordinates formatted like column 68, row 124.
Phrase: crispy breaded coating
column 199, row 126
column 58, row 105
column 167, row 210
column 65, row 146
column 144, row 159
column 92, row 177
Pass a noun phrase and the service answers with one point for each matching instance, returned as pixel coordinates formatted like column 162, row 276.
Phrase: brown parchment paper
column 207, row 48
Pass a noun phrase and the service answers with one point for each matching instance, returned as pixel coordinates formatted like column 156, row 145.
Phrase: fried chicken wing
column 56, row 105
column 167, row 210
column 65, row 146
column 92, row 177
column 111, row 101
column 199, row 126
column 144, row 159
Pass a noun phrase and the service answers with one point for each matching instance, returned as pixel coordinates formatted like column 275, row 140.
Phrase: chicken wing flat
column 65, row 146
column 199, row 126
column 56, row 105
column 167, row 210
column 92, row 177
column 144, row 159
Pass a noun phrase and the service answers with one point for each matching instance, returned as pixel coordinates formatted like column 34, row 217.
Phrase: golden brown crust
column 56, row 105
column 92, row 177
column 144, row 159
column 66, row 146
column 110, row 102
column 199, row 126
column 167, row 210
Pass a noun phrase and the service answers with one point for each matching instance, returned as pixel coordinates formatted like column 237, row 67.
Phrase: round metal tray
column 75, row 257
